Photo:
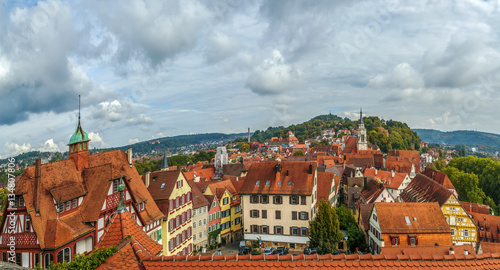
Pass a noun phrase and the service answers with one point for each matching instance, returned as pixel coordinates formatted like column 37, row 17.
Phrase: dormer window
column 290, row 183
column 279, row 183
column 268, row 183
column 162, row 185
column 257, row 183
column 75, row 203
column 61, row 207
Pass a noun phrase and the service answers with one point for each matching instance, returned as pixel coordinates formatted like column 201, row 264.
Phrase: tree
column 245, row 147
column 356, row 238
column 324, row 229
column 298, row 153
column 345, row 217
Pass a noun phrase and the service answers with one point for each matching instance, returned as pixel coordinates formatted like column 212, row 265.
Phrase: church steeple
column 164, row 165
column 79, row 145
column 361, row 116
column 361, row 141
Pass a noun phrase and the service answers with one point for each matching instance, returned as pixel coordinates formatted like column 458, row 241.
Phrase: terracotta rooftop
column 350, row 146
column 165, row 179
column 235, row 169
column 386, row 177
column 476, row 208
column 328, row 261
column 198, row 199
column 62, row 179
column 325, row 180
column 490, row 227
column 431, row 250
column 423, row 217
column 293, row 178
column 365, row 212
column 372, row 190
column 424, row 189
column 439, row 177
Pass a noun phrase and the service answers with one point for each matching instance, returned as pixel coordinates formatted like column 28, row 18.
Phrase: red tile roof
column 62, row 179
column 424, row 189
column 489, row 247
column 324, row 185
column 386, row 177
column 432, row 250
column 490, row 225
column 198, row 199
column 372, row 190
column 350, row 146
column 429, row 218
column 328, row 261
column 439, row 177
column 167, row 179
column 301, row 182
column 476, row 208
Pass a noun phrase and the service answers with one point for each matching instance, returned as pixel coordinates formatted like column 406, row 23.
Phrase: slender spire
column 360, row 115
column 164, row 165
column 121, row 205
column 78, row 109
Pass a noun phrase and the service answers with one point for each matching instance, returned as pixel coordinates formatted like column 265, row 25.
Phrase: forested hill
column 466, row 137
column 400, row 135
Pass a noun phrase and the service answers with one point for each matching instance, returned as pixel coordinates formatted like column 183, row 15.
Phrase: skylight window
column 408, row 222
column 257, row 183
column 290, row 183
column 162, row 185
column 268, row 182
column 279, row 183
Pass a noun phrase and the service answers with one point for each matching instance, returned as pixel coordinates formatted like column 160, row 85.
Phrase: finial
column 78, row 109
column 121, row 205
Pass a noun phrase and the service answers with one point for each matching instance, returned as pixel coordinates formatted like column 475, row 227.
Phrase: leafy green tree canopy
column 324, row 229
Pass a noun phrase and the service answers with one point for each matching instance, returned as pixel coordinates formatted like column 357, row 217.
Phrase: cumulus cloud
column 14, row 149
column 96, row 140
column 132, row 141
column 273, row 76
column 160, row 29
column 111, row 111
column 402, row 76
column 50, row 146
column 220, row 46
column 141, row 119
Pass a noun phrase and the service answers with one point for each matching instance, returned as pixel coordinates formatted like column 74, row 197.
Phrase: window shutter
column 291, row 230
column 307, row 215
column 294, row 215
column 274, row 229
column 257, row 212
column 416, row 241
column 303, row 200
column 290, row 199
column 409, row 241
column 264, row 213
column 299, row 231
column 260, row 229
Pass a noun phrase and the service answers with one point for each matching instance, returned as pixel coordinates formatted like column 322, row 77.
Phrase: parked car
column 244, row 251
column 282, row 250
column 269, row 251
column 336, row 252
column 310, row 250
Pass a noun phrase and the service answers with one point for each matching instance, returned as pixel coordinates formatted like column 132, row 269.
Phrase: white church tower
column 221, row 157
column 361, row 142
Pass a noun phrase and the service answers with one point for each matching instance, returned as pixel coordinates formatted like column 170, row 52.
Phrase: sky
column 150, row 69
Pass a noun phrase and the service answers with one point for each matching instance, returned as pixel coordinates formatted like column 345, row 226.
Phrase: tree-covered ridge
column 400, row 135
column 488, row 142
column 476, row 179
column 147, row 165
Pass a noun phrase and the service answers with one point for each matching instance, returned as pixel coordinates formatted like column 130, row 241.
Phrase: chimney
column 392, row 173
column 287, row 173
column 147, row 178
column 310, row 168
column 129, row 156
column 376, row 171
column 38, row 176
column 452, row 251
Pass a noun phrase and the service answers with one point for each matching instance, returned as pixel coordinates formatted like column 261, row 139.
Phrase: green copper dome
column 79, row 136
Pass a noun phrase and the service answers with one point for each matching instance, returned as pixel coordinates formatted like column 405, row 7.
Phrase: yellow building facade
column 177, row 230
column 463, row 230
column 236, row 218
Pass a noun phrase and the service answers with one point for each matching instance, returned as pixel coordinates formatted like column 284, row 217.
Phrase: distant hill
column 466, row 137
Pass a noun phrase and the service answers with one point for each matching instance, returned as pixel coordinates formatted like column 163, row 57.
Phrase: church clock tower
column 361, row 142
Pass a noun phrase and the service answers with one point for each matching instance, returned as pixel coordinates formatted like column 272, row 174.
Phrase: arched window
column 48, row 259
column 64, row 255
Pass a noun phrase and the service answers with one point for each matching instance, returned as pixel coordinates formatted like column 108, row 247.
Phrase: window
column 278, row 199
column 68, row 205
column 278, row 230
column 264, row 213
column 194, row 225
column 278, row 214
column 268, row 183
column 265, row 229
column 279, row 183
column 214, row 204
column 304, row 216
column 27, row 223
column 254, row 213
column 225, row 201
column 265, row 199
column 466, row 233
column 412, row 240
column 74, row 203
column 115, row 186
column 237, row 221
column 290, row 183
column 255, row 229
column 204, row 221
column 294, row 199
column 21, row 201
column 407, row 220
column 452, row 232
column 304, row 231
column 295, row 231
column 292, row 245
column 254, row 199
column 48, row 259
column 61, row 207
column 395, row 240
column 64, row 255
column 257, row 183
column 303, row 200
column 163, row 185
column 194, row 237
